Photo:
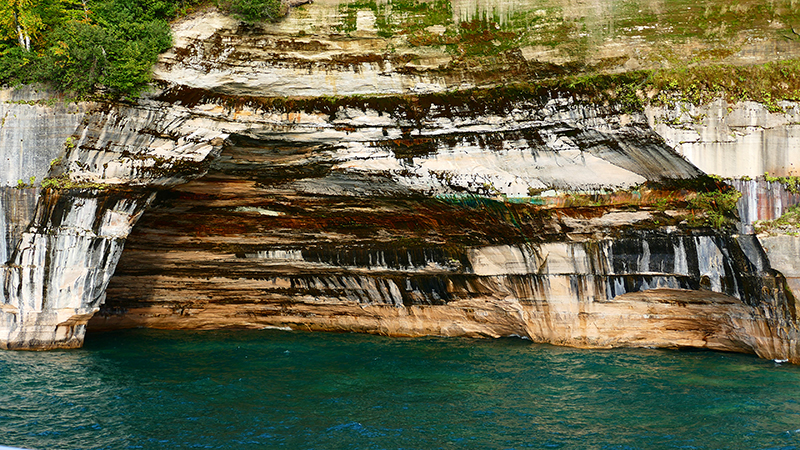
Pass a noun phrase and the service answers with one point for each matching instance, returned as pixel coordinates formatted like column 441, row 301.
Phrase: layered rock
column 56, row 277
column 363, row 48
column 415, row 205
column 762, row 200
column 216, row 254
column 782, row 251
column 61, row 244
column 34, row 127
column 745, row 139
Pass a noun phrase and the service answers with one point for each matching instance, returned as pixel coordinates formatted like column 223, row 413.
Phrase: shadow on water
column 270, row 389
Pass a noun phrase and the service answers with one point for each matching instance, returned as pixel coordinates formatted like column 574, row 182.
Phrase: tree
column 20, row 20
column 76, row 58
column 253, row 10
column 27, row 20
column 85, row 46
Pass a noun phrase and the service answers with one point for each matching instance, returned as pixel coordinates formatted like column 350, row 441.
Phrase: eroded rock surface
column 337, row 48
column 733, row 140
column 420, row 267
column 56, row 277
column 34, row 128
column 61, row 244
column 416, row 205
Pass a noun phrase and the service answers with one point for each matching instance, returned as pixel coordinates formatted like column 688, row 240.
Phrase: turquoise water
column 145, row 389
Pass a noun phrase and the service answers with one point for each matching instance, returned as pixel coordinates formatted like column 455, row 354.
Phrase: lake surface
column 145, row 389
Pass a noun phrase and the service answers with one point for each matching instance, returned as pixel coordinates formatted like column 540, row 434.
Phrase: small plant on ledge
column 788, row 223
column 718, row 208
column 23, row 185
column 791, row 182
column 64, row 182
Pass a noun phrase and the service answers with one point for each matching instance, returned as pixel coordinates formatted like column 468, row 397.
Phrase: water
column 146, row 389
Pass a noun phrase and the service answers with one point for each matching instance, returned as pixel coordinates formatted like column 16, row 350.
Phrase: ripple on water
column 267, row 389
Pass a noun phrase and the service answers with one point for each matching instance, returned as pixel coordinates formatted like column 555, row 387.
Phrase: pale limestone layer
column 17, row 207
column 337, row 48
column 56, row 277
column 783, row 252
column 34, row 127
column 151, row 144
column 556, row 143
column 739, row 140
column 742, row 141
column 216, row 52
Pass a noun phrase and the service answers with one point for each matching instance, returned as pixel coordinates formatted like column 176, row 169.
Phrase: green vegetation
column 791, row 183
column 82, row 47
column 718, row 208
column 23, row 185
column 787, row 223
column 766, row 83
column 64, row 182
column 253, row 10
column 403, row 17
column 89, row 47
column 710, row 199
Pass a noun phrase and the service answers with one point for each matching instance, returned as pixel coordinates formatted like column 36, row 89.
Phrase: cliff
column 333, row 172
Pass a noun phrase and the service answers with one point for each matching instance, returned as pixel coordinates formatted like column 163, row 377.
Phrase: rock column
column 102, row 164
column 57, row 275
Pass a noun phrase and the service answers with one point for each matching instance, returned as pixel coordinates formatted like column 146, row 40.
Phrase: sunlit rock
column 341, row 171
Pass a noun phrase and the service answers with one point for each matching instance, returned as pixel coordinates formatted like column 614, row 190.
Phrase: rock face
column 61, row 244
column 33, row 134
column 741, row 140
column 413, row 268
column 354, row 220
column 35, row 128
column 762, row 200
column 782, row 252
column 56, row 277
column 405, row 208
column 392, row 47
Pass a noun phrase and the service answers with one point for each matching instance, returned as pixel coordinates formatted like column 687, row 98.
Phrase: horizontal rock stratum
column 326, row 175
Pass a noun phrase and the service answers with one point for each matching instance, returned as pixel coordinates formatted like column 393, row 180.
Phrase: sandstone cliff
column 328, row 175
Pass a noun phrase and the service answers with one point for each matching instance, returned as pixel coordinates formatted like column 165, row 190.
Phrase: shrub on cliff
column 718, row 207
column 81, row 57
column 253, row 10
column 91, row 45
column 76, row 58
